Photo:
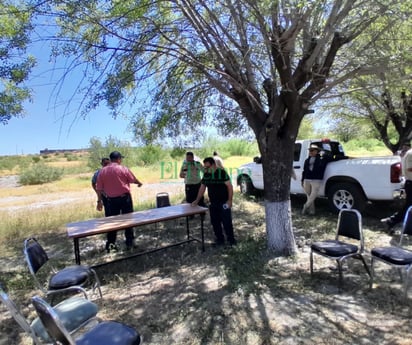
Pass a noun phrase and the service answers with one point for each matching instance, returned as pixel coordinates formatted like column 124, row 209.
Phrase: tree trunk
column 278, row 228
column 277, row 161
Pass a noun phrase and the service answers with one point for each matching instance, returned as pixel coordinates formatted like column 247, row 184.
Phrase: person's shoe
column 389, row 224
column 218, row 243
column 232, row 243
column 129, row 243
column 111, row 246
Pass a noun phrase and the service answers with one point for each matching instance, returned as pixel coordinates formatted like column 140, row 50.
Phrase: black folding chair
column 396, row 256
column 74, row 312
column 349, row 227
column 70, row 279
column 104, row 333
column 162, row 199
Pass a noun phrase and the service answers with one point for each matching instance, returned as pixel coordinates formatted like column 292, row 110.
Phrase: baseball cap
column 115, row 155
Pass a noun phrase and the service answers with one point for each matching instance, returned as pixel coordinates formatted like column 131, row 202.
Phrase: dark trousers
column 120, row 205
column 105, row 205
column 221, row 219
column 400, row 215
column 191, row 191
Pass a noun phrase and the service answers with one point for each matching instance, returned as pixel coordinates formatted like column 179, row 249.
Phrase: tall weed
column 40, row 173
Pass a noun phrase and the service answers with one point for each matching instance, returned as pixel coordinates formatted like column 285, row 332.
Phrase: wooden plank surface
column 107, row 224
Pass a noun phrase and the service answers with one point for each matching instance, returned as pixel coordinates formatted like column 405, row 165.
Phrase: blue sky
column 43, row 126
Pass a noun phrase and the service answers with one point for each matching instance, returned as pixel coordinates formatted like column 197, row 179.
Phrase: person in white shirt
column 398, row 217
column 218, row 160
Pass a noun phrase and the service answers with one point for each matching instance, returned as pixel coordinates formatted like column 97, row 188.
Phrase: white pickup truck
column 348, row 182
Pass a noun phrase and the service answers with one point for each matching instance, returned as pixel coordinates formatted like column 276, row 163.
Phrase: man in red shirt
column 114, row 181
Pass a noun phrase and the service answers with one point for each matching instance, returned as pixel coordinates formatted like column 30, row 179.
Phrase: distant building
column 48, row 152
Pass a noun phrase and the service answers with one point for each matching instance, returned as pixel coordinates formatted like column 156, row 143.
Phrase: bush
column 40, row 173
column 237, row 147
column 228, row 148
column 369, row 144
column 178, row 153
column 150, row 154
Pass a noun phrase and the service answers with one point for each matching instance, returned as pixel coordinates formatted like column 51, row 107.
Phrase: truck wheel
column 346, row 196
column 246, row 186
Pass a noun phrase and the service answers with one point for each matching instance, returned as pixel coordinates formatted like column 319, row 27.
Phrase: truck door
column 295, row 185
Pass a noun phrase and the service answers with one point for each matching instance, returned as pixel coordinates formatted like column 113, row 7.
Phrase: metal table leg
column 202, row 216
column 76, row 251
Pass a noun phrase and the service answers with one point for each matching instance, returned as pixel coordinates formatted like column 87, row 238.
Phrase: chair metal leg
column 406, row 283
column 339, row 262
column 372, row 273
column 311, row 261
column 96, row 283
column 364, row 264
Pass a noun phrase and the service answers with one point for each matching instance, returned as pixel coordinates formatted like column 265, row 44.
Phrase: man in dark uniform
column 220, row 191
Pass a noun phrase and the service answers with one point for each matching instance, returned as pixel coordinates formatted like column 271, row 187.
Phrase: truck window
column 332, row 147
column 296, row 152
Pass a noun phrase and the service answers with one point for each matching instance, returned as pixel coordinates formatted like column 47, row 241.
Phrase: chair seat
column 73, row 312
column 110, row 333
column 334, row 248
column 69, row 276
column 394, row 255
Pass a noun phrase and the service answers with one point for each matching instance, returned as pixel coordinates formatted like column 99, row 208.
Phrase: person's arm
column 303, row 173
column 229, row 187
column 183, row 171
column 202, row 190
column 135, row 179
column 94, row 181
column 99, row 191
column 99, row 206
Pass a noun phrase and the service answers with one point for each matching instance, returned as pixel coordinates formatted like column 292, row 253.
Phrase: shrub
column 178, row 153
column 40, row 173
column 150, row 154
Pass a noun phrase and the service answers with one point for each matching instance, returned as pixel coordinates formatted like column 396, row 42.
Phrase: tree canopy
column 15, row 65
column 230, row 63
column 382, row 96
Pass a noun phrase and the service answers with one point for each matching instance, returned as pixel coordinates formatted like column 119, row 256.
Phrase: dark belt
column 119, row 197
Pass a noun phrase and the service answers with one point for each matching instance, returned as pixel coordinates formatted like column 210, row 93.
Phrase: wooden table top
column 105, row 224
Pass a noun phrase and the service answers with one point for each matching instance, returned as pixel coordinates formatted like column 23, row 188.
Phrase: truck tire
column 246, row 185
column 346, row 196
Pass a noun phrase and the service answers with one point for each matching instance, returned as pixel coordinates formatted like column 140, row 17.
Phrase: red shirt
column 114, row 180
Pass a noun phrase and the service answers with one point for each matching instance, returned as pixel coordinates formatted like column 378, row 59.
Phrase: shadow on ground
column 237, row 295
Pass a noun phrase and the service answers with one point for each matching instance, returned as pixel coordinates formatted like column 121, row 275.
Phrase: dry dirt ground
column 240, row 295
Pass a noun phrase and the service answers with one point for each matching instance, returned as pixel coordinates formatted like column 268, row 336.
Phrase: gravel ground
column 143, row 194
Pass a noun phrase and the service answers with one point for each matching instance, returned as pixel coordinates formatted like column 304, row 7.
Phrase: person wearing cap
column 114, row 181
column 312, row 176
column 191, row 171
column 406, row 166
column 105, row 161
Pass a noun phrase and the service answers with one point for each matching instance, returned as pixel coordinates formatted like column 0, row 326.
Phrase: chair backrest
column 34, row 254
column 407, row 225
column 350, row 225
column 17, row 315
column 51, row 322
column 162, row 199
